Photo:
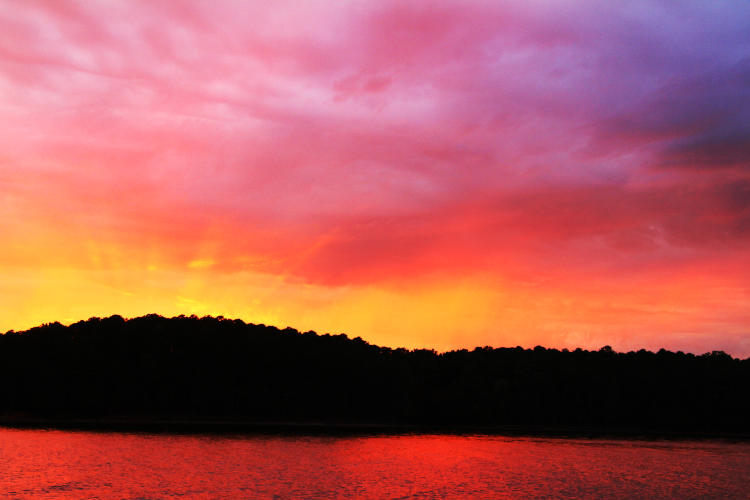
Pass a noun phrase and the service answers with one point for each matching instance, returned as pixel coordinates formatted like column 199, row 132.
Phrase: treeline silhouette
column 218, row 368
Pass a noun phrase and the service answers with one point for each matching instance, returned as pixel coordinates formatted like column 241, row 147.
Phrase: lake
column 52, row 464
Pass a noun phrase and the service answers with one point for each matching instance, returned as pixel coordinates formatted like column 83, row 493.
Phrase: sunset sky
column 420, row 174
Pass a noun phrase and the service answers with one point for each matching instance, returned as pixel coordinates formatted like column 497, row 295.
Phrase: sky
column 421, row 174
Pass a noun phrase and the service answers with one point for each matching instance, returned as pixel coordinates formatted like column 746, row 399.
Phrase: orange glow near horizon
column 435, row 178
column 442, row 313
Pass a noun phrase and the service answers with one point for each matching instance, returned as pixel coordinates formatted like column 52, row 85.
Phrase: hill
column 215, row 368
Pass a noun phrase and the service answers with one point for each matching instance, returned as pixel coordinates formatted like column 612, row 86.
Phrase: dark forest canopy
column 221, row 368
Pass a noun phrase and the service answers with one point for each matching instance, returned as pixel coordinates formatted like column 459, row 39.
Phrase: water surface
column 51, row 464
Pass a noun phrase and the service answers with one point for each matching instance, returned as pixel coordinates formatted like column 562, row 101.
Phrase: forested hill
column 218, row 368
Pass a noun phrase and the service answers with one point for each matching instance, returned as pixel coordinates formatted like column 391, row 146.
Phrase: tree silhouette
column 190, row 367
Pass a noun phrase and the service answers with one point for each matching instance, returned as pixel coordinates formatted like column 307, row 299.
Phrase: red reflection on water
column 56, row 464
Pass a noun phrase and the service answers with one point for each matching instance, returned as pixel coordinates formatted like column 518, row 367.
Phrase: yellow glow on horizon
column 67, row 279
column 442, row 314
column 201, row 263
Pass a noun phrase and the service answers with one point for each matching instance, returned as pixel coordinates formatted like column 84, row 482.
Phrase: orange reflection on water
column 56, row 464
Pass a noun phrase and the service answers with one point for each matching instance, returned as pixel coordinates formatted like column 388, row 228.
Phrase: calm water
column 62, row 464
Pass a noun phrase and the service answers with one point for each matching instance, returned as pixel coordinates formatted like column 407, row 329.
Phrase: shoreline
column 182, row 425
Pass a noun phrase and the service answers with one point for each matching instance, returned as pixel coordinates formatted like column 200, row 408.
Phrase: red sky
column 421, row 174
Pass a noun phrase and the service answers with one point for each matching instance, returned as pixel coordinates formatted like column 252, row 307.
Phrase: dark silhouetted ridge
column 215, row 368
